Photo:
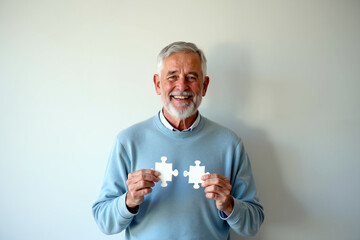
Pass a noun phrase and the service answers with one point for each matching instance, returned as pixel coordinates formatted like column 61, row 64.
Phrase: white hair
column 176, row 47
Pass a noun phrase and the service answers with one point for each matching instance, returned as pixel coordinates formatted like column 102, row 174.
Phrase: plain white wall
column 284, row 75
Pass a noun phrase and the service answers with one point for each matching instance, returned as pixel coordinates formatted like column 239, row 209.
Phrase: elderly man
column 179, row 146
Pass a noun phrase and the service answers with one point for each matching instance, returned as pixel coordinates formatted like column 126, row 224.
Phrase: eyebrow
column 173, row 72
column 170, row 73
column 194, row 73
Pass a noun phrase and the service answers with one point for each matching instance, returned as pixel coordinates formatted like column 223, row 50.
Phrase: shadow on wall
column 230, row 70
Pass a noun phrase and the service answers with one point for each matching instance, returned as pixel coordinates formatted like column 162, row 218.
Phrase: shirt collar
column 166, row 123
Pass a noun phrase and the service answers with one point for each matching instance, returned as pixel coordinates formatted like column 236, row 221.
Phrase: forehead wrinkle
column 181, row 62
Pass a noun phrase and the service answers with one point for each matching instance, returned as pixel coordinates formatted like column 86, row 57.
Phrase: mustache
column 183, row 93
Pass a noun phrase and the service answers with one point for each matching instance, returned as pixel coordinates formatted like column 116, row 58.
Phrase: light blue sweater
column 178, row 211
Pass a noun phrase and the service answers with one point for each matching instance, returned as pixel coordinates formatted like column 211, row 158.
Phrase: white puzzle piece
column 165, row 170
column 195, row 174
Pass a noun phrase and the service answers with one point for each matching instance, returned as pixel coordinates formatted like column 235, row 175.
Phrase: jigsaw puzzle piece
column 195, row 173
column 166, row 171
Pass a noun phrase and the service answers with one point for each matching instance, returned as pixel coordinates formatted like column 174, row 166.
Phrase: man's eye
column 191, row 78
column 171, row 78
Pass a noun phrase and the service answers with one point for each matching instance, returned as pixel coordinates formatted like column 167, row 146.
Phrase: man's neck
column 180, row 124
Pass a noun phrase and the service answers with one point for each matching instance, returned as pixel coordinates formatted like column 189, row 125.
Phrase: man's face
column 181, row 84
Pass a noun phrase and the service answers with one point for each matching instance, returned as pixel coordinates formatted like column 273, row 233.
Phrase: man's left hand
column 218, row 187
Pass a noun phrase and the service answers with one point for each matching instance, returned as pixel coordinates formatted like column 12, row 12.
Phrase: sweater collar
column 166, row 123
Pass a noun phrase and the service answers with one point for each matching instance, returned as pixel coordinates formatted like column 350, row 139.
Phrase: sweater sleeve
column 248, row 214
column 109, row 210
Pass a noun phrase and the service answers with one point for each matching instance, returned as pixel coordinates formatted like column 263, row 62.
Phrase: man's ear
column 206, row 84
column 157, row 84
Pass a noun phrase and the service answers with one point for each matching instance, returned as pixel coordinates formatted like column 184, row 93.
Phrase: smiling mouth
column 180, row 97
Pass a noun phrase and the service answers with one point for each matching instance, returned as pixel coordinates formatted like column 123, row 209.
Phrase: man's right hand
column 139, row 184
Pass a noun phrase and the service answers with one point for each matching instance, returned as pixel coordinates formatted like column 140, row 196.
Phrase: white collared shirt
column 166, row 123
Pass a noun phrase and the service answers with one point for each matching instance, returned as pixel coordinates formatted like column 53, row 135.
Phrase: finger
column 144, row 184
column 210, row 195
column 214, row 176
column 143, row 172
column 138, row 185
column 214, row 196
column 217, row 182
column 144, row 175
column 144, row 178
column 219, row 199
column 222, row 202
column 221, row 182
column 218, row 190
column 141, row 193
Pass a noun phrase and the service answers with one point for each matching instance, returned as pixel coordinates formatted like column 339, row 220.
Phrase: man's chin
column 183, row 113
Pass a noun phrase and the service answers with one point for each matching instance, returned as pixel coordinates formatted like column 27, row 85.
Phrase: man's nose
column 182, row 83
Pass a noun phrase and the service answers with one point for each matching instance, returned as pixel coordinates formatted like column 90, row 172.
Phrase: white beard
column 190, row 110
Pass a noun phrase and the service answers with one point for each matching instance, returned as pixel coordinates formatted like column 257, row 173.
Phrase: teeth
column 181, row 97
